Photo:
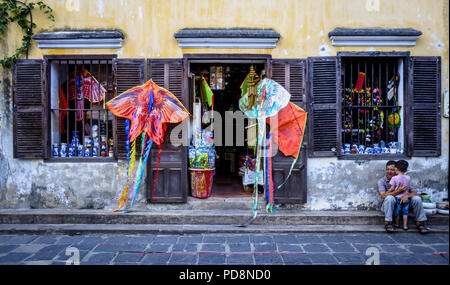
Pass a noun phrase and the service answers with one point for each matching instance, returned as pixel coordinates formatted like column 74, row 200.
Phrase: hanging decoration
column 147, row 109
column 271, row 99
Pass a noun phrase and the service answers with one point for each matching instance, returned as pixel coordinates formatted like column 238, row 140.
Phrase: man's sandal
column 389, row 228
column 422, row 228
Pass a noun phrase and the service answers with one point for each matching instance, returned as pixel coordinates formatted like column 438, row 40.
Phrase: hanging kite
column 286, row 130
column 269, row 98
column 147, row 109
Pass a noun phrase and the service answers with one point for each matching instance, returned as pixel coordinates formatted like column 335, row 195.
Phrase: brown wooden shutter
column 128, row 73
column 424, row 106
column 172, row 181
column 290, row 73
column 29, row 108
column 324, row 107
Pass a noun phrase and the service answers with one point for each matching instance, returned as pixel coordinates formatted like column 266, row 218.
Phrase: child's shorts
column 401, row 208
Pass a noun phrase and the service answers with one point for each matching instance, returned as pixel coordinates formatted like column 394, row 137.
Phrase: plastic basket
column 201, row 182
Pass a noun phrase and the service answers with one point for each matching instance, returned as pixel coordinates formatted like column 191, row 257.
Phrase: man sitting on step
column 389, row 201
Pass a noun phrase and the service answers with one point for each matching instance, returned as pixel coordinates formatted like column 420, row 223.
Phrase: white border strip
column 384, row 41
column 115, row 43
column 227, row 42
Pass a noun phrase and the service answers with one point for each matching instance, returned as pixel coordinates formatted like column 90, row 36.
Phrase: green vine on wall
column 10, row 12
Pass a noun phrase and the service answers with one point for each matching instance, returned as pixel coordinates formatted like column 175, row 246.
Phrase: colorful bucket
column 201, row 182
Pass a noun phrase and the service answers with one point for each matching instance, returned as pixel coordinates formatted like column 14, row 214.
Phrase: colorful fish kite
column 147, row 109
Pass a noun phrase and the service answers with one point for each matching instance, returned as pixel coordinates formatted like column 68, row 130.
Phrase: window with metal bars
column 81, row 126
column 372, row 99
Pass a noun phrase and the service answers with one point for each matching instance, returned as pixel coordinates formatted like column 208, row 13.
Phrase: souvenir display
column 147, row 109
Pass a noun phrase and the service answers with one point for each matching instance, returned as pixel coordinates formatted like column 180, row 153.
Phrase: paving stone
column 440, row 248
column 261, row 239
column 85, row 246
column 155, row 259
column 356, row 239
column 93, row 239
column 386, row 259
column 129, row 257
column 21, row 239
column 183, row 259
column 265, row 247
column 118, row 240
column 379, row 238
column 262, row 259
column 349, row 258
column 102, row 258
column 107, row 247
column 362, row 248
column 432, row 259
column 165, row 239
column 213, row 239
column 212, row 247
column 332, row 238
column 14, row 257
column 159, row 247
column 213, row 259
column 240, row 259
column 289, row 248
column 48, row 252
column 238, row 239
column 4, row 238
column 8, row 248
column 70, row 239
column 134, row 247
column 289, row 239
column 144, row 239
column 240, row 247
column 406, row 259
column 296, row 259
column 315, row 247
column 341, row 247
column 420, row 249
column 302, row 238
column 185, row 247
column 432, row 238
column 46, row 239
column 322, row 258
column 394, row 249
column 31, row 248
column 190, row 239
column 406, row 239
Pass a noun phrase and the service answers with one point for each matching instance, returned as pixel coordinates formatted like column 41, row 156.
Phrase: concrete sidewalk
column 77, row 221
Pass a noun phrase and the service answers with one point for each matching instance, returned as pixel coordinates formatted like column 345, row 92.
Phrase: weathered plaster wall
column 149, row 26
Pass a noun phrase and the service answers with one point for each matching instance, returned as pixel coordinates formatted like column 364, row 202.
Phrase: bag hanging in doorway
column 147, row 109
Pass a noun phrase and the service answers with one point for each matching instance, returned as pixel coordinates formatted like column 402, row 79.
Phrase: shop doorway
column 231, row 137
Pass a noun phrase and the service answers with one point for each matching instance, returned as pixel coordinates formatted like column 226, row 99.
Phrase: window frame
column 377, row 54
column 47, row 83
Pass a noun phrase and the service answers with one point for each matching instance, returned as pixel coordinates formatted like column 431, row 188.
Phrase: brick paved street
column 225, row 249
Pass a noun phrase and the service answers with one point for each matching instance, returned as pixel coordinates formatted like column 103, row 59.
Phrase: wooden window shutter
column 290, row 73
column 29, row 109
column 424, row 106
column 172, row 183
column 324, row 107
column 127, row 73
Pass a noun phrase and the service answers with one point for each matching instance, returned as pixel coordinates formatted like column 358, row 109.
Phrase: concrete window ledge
column 106, row 39
column 227, row 38
column 374, row 36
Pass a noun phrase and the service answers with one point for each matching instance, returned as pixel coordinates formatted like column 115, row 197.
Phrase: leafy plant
column 17, row 11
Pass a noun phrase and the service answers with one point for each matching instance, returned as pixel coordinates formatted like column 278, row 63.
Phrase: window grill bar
column 90, row 111
column 387, row 101
column 105, row 111
column 68, row 103
column 83, row 140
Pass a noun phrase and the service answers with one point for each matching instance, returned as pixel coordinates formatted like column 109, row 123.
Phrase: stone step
column 199, row 217
column 75, row 229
